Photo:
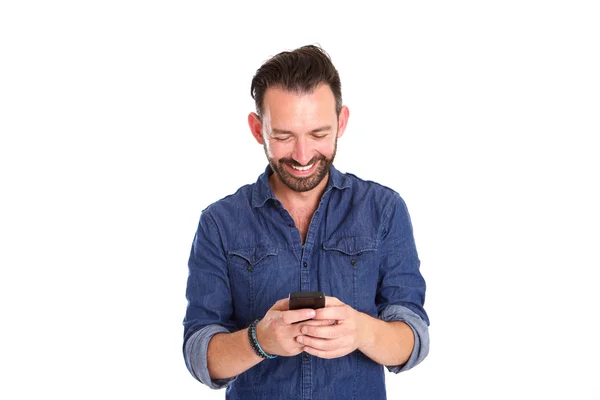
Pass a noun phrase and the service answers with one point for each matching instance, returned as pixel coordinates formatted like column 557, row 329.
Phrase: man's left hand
column 332, row 341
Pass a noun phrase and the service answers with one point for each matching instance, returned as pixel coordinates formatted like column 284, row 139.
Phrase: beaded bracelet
column 254, row 341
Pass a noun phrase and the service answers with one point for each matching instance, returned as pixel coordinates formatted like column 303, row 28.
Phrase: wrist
column 366, row 330
column 260, row 336
column 255, row 344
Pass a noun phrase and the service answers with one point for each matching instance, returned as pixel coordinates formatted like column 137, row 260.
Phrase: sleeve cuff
column 420, row 330
column 196, row 349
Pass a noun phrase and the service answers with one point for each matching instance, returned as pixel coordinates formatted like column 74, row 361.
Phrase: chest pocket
column 250, row 270
column 250, row 257
column 353, row 270
column 351, row 245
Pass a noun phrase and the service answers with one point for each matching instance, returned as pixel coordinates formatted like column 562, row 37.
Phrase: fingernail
column 304, row 330
column 312, row 313
column 299, row 339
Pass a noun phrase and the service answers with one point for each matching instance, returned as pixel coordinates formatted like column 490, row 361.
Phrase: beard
column 307, row 183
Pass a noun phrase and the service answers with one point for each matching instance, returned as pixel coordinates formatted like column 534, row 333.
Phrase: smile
column 303, row 168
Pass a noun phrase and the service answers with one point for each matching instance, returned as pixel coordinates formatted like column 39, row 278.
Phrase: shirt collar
column 262, row 191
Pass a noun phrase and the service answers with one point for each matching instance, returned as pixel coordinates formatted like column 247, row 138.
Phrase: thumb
column 281, row 305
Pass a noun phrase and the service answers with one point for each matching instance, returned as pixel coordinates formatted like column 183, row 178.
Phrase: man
column 303, row 226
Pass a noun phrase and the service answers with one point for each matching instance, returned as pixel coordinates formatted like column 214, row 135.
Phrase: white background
column 121, row 120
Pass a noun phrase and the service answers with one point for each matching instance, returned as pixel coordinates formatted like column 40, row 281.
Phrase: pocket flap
column 351, row 245
column 254, row 255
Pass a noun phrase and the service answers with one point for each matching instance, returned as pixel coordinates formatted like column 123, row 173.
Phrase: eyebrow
column 316, row 130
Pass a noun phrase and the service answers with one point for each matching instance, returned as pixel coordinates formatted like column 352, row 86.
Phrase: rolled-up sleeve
column 195, row 351
column 420, row 332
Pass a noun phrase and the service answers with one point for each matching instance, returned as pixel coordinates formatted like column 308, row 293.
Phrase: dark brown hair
column 301, row 71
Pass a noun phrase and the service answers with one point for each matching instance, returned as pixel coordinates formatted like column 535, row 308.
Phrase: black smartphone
column 312, row 300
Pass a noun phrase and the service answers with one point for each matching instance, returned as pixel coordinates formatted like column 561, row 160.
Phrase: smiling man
column 299, row 133
column 303, row 226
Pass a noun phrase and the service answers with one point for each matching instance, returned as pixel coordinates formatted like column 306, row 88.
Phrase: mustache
column 295, row 163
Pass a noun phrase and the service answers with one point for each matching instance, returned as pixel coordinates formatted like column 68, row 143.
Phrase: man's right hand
column 277, row 331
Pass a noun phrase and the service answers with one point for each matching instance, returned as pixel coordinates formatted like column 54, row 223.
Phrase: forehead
column 287, row 107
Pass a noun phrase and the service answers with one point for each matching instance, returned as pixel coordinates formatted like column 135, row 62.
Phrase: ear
column 343, row 121
column 255, row 127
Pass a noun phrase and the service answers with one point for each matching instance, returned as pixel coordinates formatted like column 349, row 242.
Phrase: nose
column 302, row 153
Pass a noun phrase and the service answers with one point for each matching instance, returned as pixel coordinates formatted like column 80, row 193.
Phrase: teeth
column 303, row 168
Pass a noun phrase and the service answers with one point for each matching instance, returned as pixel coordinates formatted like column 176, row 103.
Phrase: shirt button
column 353, row 262
column 250, row 268
column 306, row 357
column 291, row 225
column 305, row 264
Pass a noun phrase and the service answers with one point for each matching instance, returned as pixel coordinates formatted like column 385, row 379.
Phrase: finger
column 328, row 353
column 311, row 322
column 323, row 344
column 332, row 301
column 333, row 312
column 324, row 332
column 291, row 316
column 319, row 322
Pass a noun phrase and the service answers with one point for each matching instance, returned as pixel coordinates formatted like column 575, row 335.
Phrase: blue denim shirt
column 247, row 254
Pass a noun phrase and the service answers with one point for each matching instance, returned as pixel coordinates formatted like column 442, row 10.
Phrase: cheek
column 325, row 148
column 277, row 150
column 268, row 148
